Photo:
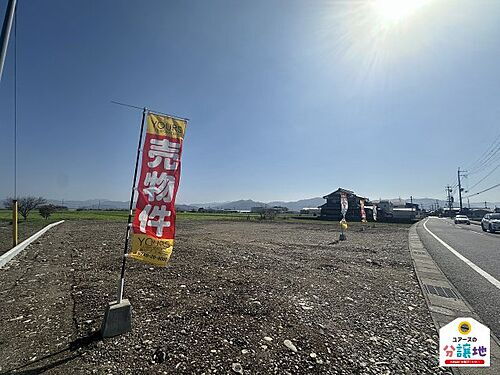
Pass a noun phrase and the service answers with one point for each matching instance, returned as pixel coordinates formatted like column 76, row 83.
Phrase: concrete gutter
column 7, row 257
column 444, row 310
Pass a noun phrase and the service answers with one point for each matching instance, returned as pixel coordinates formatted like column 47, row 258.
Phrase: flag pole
column 129, row 222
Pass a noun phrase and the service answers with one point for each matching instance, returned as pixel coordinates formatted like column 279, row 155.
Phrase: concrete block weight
column 117, row 319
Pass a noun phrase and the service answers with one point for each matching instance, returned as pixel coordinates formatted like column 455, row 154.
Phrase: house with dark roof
column 331, row 210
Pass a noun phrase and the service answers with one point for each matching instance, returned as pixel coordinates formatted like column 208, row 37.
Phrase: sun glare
column 395, row 10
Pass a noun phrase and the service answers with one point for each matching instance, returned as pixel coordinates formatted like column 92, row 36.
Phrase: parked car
column 491, row 222
column 462, row 219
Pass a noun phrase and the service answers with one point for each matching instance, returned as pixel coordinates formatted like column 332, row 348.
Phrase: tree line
column 25, row 205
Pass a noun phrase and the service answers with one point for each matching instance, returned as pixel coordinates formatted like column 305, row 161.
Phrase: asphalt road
column 481, row 248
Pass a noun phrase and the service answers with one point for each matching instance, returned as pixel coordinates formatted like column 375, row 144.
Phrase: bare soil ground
column 233, row 293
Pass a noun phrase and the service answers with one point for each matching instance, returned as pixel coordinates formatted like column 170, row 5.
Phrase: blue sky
column 287, row 99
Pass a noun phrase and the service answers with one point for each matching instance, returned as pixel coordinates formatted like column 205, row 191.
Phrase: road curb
column 445, row 309
column 9, row 255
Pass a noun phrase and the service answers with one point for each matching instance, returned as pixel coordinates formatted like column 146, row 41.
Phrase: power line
column 485, row 177
column 494, row 146
column 491, row 161
column 488, row 158
column 483, row 191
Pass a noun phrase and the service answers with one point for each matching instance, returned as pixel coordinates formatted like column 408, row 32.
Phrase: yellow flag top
column 166, row 126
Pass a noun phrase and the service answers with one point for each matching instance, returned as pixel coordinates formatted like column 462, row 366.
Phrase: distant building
column 276, row 209
column 477, row 213
column 310, row 211
column 446, row 212
column 398, row 210
column 280, row 209
column 257, row 210
column 211, row 210
column 331, row 209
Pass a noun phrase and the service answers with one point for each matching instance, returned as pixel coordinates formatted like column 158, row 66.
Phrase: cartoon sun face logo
column 464, row 328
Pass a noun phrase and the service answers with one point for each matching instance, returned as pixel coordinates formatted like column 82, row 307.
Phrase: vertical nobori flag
column 362, row 209
column 344, row 204
column 153, row 227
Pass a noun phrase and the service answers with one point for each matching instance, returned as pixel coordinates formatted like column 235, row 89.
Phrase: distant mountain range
column 245, row 204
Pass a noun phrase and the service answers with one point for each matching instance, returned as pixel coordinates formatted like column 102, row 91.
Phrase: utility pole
column 450, row 198
column 460, row 188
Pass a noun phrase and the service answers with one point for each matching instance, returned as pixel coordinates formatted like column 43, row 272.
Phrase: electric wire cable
column 485, row 177
column 488, row 153
column 483, row 191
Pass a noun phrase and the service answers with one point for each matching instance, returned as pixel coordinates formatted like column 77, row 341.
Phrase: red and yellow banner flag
column 344, row 204
column 362, row 208
column 153, row 227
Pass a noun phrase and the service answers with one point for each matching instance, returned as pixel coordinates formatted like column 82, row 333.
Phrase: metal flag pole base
column 117, row 319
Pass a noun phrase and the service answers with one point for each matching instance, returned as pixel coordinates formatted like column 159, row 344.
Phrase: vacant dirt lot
column 233, row 293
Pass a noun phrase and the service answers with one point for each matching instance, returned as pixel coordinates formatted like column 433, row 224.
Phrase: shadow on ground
column 73, row 351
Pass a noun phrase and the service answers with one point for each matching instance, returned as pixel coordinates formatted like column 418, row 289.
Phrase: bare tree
column 25, row 204
column 8, row 203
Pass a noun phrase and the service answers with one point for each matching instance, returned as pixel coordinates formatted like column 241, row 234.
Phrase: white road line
column 472, row 265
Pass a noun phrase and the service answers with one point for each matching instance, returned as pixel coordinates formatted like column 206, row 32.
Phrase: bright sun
column 394, row 11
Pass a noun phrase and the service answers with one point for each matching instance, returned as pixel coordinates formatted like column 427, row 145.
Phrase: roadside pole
column 14, row 224
column 450, row 199
column 460, row 189
column 7, row 26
